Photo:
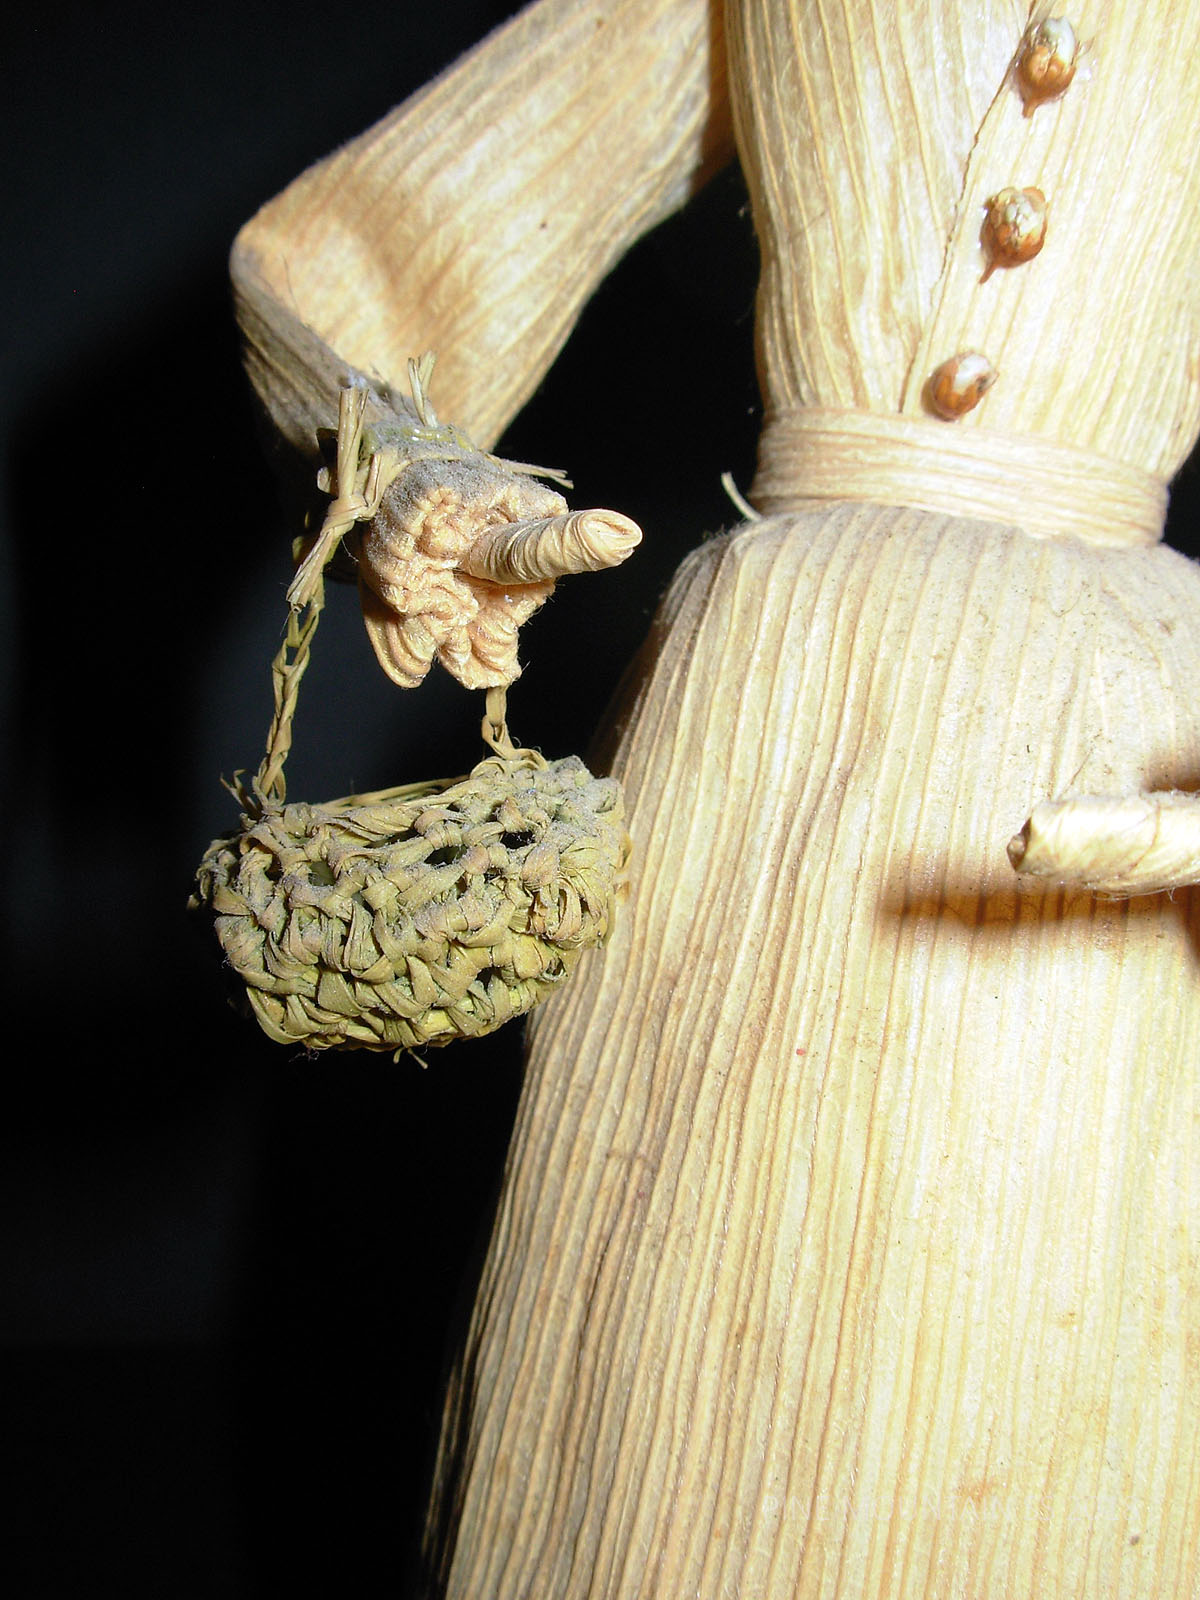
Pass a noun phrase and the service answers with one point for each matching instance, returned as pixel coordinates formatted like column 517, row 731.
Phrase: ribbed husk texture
column 847, row 1244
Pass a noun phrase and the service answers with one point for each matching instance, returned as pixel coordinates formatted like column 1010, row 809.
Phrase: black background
column 228, row 1272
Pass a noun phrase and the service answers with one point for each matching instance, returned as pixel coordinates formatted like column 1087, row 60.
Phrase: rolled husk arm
column 478, row 217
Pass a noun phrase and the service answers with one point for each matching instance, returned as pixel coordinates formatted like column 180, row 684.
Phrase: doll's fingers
column 551, row 547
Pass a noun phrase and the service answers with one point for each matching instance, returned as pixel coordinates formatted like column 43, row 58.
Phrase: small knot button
column 958, row 385
column 1046, row 62
column 1014, row 229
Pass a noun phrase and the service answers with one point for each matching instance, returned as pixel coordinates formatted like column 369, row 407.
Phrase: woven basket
column 417, row 916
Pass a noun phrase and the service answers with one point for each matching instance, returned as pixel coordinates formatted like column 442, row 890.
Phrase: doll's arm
column 1116, row 845
column 477, row 218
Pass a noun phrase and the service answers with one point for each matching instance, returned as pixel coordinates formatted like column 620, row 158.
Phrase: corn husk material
column 418, row 916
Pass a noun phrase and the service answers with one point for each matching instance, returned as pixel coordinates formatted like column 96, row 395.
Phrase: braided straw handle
column 306, row 600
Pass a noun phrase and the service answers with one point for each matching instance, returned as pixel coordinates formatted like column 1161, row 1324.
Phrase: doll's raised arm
column 476, row 219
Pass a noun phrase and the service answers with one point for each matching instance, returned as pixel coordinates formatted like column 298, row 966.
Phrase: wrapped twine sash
column 1049, row 489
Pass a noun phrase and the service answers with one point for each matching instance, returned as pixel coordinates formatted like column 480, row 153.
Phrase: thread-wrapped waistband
column 1047, row 488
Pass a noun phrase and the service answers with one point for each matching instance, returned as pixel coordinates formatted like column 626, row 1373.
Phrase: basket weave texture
column 418, row 916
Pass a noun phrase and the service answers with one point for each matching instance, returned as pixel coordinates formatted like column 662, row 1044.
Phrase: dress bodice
column 872, row 136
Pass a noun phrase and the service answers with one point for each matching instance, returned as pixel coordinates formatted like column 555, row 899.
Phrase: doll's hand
column 460, row 553
column 460, row 547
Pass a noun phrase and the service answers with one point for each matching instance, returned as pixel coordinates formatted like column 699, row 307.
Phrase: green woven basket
column 420, row 915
